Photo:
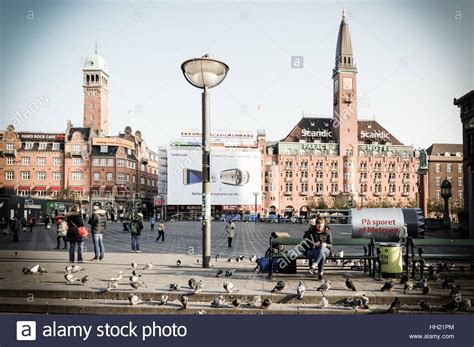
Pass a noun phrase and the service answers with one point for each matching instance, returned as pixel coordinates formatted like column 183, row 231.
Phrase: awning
column 76, row 189
column 55, row 189
column 8, row 187
column 40, row 188
column 121, row 189
column 24, row 188
column 97, row 188
column 109, row 188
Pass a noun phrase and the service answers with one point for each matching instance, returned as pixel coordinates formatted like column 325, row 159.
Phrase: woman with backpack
column 61, row 231
column 136, row 227
column 74, row 222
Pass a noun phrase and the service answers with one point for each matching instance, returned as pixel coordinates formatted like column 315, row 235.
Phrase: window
column 142, row 180
column 55, row 146
column 25, row 160
column 24, row 193
column 110, row 162
column 319, row 188
column 25, row 175
column 448, row 168
column 28, row 145
column 438, row 194
column 110, row 176
column 41, row 161
column 57, row 161
column 460, row 195
column 120, row 176
column 41, row 175
column 76, row 176
column 9, row 146
column 134, row 178
column 459, row 181
column 9, row 175
column 288, row 187
column 459, row 168
column 104, row 149
column 10, row 160
column 76, row 148
column 129, row 151
column 42, row 146
column 334, row 188
column 437, row 168
column 121, row 162
column 56, row 176
column 103, row 162
column 76, row 161
column 347, row 188
column 41, row 193
column 438, row 181
column 95, row 162
column 142, row 167
column 96, row 176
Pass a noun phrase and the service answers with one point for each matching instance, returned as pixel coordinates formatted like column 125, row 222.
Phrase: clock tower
column 345, row 91
column 96, row 94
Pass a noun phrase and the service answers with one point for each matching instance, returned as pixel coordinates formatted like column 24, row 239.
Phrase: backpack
column 263, row 264
column 134, row 229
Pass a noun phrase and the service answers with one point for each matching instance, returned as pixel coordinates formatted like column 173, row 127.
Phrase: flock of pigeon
column 456, row 301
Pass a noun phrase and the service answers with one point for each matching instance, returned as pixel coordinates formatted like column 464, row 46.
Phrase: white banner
column 235, row 176
column 383, row 224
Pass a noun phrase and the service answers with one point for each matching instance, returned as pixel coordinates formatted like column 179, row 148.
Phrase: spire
column 96, row 48
column 344, row 55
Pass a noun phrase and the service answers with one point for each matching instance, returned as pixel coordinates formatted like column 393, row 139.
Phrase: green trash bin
column 391, row 259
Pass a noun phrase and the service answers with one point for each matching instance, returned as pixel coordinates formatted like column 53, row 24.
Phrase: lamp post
column 205, row 73
column 446, row 194
column 256, row 195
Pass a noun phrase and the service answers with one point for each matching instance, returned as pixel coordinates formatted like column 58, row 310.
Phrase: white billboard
column 235, row 176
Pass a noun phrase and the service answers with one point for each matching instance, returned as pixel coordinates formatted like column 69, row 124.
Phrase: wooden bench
column 414, row 252
column 368, row 253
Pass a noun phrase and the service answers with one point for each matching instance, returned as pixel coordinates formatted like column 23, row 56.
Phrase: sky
column 413, row 58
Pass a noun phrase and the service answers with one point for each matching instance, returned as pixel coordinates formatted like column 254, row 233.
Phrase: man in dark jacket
column 321, row 243
column 98, row 223
column 15, row 226
column 136, row 227
column 74, row 221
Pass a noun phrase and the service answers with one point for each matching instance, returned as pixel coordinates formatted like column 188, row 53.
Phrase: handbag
column 82, row 231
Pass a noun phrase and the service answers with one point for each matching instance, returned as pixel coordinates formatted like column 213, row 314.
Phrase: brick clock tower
column 96, row 94
column 345, row 126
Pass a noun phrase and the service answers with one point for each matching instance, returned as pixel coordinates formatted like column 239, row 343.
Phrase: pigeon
column 324, row 286
column 266, row 303
column 217, row 257
column 425, row 305
column 426, row 290
column 323, row 303
column 111, row 285
column 178, row 262
column 134, row 299
column 229, row 287
column 388, row 286
column 16, row 254
column 395, row 306
column 350, row 284
column 73, row 268
column 69, row 277
column 148, row 266
column 42, row 270
column 163, row 299
column 280, row 285
column 218, row 302
column 229, row 259
column 229, row 273
column 117, row 277
column 407, row 287
column 300, row 290
column 455, row 290
column 175, row 286
column 241, row 258
column 183, row 299
column 136, row 285
column 199, row 287
column 192, row 283
column 420, row 284
column 201, row 312
column 198, row 261
column 220, row 273
column 134, row 278
column 253, row 258
column 365, row 301
column 256, row 301
column 404, row 279
column 25, row 270
column 134, row 266
column 236, row 302
column 452, row 306
column 85, row 279
column 465, row 304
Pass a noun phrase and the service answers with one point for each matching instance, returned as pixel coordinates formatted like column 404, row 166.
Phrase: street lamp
column 256, row 195
column 446, row 194
column 205, row 73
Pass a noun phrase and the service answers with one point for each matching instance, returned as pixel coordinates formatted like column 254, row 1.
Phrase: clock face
column 347, row 83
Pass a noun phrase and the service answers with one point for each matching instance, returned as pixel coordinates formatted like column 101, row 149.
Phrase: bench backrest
column 290, row 241
column 442, row 242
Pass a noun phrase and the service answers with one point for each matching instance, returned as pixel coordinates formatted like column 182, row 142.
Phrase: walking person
column 31, row 223
column 321, row 241
column 136, row 227
column 230, row 230
column 98, row 223
column 74, row 222
column 15, row 226
column 61, row 231
column 161, row 231
column 47, row 222
column 152, row 223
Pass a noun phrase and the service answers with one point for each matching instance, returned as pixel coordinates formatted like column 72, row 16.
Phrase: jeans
column 99, row 249
column 58, row 239
column 319, row 256
column 135, row 242
column 72, row 248
column 229, row 242
column 161, row 234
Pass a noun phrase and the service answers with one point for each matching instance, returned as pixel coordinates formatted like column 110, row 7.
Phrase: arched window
column 344, row 60
column 87, row 79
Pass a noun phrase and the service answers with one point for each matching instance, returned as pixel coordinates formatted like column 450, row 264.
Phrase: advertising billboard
column 235, row 176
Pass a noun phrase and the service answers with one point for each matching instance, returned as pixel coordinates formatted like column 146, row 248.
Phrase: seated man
column 321, row 243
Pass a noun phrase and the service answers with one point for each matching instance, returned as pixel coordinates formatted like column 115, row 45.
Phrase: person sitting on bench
column 321, row 241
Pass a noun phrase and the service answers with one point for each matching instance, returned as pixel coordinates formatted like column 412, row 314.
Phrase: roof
column 442, row 148
column 465, row 98
column 344, row 45
column 84, row 131
column 311, row 129
column 95, row 62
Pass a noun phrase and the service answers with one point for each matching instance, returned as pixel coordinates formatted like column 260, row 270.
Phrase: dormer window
column 104, row 149
column 28, row 145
